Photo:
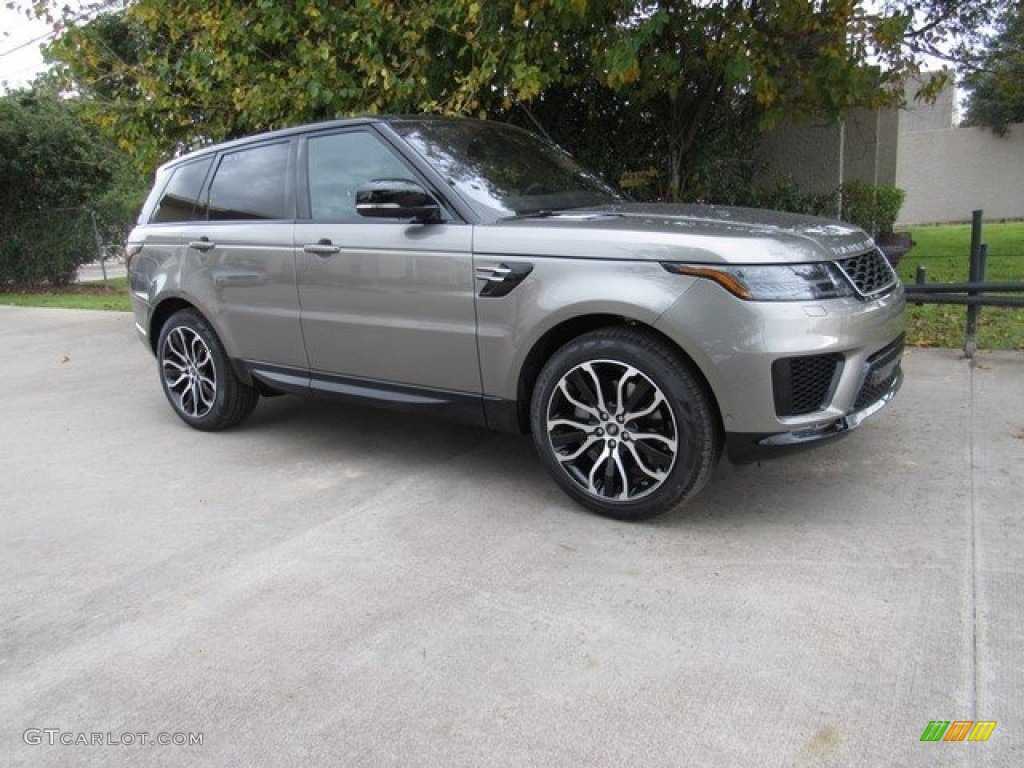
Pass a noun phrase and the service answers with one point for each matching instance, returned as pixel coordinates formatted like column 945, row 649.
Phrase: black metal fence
column 975, row 293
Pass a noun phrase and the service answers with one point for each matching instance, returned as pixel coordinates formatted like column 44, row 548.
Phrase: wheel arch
column 562, row 333
column 162, row 313
column 166, row 309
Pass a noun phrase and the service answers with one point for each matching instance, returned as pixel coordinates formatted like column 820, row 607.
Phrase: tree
column 56, row 170
column 687, row 79
column 996, row 84
column 166, row 75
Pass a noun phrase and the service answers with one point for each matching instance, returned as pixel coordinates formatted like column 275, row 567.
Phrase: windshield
column 504, row 171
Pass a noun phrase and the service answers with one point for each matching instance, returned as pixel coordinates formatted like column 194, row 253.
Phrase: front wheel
column 623, row 424
column 197, row 376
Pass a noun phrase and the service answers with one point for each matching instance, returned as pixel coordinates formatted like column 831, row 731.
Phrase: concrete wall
column 888, row 145
column 866, row 134
column 921, row 116
column 820, row 156
column 946, row 172
column 949, row 173
column 807, row 152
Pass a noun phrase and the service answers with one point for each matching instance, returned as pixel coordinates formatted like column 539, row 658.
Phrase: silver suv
column 470, row 269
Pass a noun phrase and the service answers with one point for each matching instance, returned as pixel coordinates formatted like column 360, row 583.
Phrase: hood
column 665, row 232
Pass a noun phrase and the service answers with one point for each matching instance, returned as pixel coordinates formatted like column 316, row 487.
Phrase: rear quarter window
column 180, row 195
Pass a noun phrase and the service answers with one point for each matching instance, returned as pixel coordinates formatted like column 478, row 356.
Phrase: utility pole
column 101, row 251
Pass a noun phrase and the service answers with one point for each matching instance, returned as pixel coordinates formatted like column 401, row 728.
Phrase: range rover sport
column 470, row 269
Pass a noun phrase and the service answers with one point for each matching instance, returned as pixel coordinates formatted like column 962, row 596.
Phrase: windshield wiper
column 543, row 213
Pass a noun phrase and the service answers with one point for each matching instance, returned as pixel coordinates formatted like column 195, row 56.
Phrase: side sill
column 277, row 379
column 461, row 407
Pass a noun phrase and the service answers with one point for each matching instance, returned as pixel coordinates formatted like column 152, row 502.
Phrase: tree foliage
column 169, row 74
column 996, row 83
column 673, row 87
column 56, row 170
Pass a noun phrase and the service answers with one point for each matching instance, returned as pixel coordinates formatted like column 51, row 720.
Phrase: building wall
column 946, row 172
column 819, row 156
column 860, row 146
column 921, row 116
column 806, row 152
column 949, row 173
column 889, row 121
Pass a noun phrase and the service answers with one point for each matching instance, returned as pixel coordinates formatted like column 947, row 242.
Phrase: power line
column 10, row 78
column 64, row 26
column 27, row 43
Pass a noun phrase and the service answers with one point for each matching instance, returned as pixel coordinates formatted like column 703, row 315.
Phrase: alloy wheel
column 611, row 429
column 189, row 371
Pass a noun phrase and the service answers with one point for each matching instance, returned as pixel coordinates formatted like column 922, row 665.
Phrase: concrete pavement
column 93, row 271
column 336, row 586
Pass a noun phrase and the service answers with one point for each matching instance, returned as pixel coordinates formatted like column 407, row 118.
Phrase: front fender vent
column 500, row 280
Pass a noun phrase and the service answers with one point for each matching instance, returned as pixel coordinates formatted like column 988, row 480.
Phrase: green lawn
column 80, row 296
column 945, row 250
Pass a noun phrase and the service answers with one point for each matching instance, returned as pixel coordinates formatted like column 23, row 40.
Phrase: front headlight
column 772, row 282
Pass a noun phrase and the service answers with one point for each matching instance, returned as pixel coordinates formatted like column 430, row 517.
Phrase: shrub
column 889, row 202
column 55, row 168
column 786, row 195
column 46, row 247
column 872, row 208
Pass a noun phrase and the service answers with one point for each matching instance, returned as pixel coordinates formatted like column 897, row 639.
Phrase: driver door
column 381, row 300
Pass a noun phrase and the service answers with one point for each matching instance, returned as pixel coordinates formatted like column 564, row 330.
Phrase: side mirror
column 396, row 199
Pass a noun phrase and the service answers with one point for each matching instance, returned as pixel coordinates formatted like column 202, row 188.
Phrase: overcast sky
column 20, row 59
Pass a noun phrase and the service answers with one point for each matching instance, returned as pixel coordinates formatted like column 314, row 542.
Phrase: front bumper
column 787, row 375
column 746, row 448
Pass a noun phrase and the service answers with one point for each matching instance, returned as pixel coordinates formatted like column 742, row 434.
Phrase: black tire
column 197, row 377
column 624, row 424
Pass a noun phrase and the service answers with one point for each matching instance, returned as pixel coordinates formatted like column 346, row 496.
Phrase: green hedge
column 872, row 208
column 46, row 247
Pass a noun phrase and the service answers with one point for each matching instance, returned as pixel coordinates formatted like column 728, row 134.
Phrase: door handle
column 322, row 247
column 202, row 244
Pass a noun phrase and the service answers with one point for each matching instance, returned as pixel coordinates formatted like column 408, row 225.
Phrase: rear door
column 168, row 213
column 240, row 262
column 387, row 301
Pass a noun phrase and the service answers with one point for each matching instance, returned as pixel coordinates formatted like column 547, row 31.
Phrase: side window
column 251, row 184
column 178, row 201
column 339, row 164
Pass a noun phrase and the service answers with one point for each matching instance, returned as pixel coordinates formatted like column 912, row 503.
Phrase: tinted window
column 178, row 201
column 251, row 184
column 339, row 164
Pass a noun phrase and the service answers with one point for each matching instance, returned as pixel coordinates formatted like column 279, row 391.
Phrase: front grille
column 870, row 273
column 804, row 384
column 881, row 371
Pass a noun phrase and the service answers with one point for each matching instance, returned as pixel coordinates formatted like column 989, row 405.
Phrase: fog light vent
column 804, row 384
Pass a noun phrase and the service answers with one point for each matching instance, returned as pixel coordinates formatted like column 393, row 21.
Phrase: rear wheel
column 623, row 424
column 197, row 376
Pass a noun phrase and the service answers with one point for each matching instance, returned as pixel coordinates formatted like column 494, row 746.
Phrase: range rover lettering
column 470, row 269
